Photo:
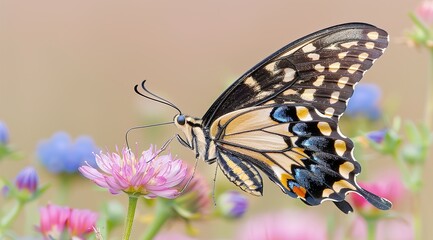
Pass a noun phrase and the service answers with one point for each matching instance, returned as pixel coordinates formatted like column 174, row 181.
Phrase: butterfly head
column 179, row 120
column 191, row 128
column 184, row 124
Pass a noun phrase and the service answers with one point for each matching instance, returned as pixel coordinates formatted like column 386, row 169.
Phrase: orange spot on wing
column 300, row 191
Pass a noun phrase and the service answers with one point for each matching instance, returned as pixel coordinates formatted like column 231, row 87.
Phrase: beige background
column 71, row 65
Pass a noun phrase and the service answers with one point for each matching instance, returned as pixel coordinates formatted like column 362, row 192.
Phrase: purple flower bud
column 27, row 179
column 377, row 136
column 232, row 204
column 4, row 134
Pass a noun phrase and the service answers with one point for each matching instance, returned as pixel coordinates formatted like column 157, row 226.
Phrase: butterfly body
column 282, row 117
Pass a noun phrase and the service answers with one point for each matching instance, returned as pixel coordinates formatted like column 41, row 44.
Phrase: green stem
column 419, row 24
column 371, row 228
column 163, row 213
column 10, row 216
column 130, row 217
column 65, row 187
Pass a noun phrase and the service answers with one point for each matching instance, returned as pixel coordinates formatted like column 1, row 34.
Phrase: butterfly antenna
column 141, row 127
column 155, row 97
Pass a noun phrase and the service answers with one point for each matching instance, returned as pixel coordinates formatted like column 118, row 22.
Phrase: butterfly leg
column 183, row 142
column 241, row 173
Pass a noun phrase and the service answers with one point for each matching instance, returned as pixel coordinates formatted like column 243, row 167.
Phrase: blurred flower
column 4, row 134
column 425, row 12
column 27, row 179
column 422, row 18
column 284, row 225
column 232, row 204
column 81, row 222
column 150, row 175
column 386, row 229
column 365, row 101
column 59, row 154
column 57, row 222
column 389, row 186
column 53, row 221
column 377, row 136
column 194, row 202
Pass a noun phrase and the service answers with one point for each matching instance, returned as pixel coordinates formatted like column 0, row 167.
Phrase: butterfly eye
column 181, row 119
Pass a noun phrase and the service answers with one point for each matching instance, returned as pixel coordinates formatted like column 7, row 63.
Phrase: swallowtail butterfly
column 282, row 117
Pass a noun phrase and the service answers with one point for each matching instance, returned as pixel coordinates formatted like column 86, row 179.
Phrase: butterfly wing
column 282, row 117
column 298, row 147
column 321, row 68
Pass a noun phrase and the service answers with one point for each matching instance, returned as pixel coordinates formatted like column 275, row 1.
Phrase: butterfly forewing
column 321, row 68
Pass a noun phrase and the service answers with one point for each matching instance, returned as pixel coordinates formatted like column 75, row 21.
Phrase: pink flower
column 53, row 220
column 388, row 186
column 386, row 229
column 284, row 225
column 56, row 222
column 81, row 222
column 425, row 12
column 149, row 175
column 194, row 202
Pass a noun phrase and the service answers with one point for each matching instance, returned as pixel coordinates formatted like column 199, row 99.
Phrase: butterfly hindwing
column 321, row 68
column 299, row 148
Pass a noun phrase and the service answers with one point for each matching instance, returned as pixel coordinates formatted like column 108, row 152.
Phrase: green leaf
column 413, row 154
column 391, row 143
column 412, row 132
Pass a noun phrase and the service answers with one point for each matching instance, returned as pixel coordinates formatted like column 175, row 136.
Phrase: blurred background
column 72, row 65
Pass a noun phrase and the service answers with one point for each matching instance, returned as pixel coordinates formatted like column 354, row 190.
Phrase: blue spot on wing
column 284, row 114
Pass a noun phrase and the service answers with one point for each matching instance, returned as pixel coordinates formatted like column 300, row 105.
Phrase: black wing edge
column 208, row 117
column 378, row 202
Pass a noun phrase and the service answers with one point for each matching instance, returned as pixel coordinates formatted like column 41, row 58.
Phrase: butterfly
column 281, row 117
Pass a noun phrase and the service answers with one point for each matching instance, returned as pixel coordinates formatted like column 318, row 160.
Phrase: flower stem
column 163, row 213
column 10, row 216
column 65, row 187
column 371, row 228
column 130, row 217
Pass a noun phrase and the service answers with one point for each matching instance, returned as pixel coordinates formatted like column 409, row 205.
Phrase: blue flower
column 27, row 179
column 232, row 204
column 365, row 102
column 4, row 134
column 60, row 154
